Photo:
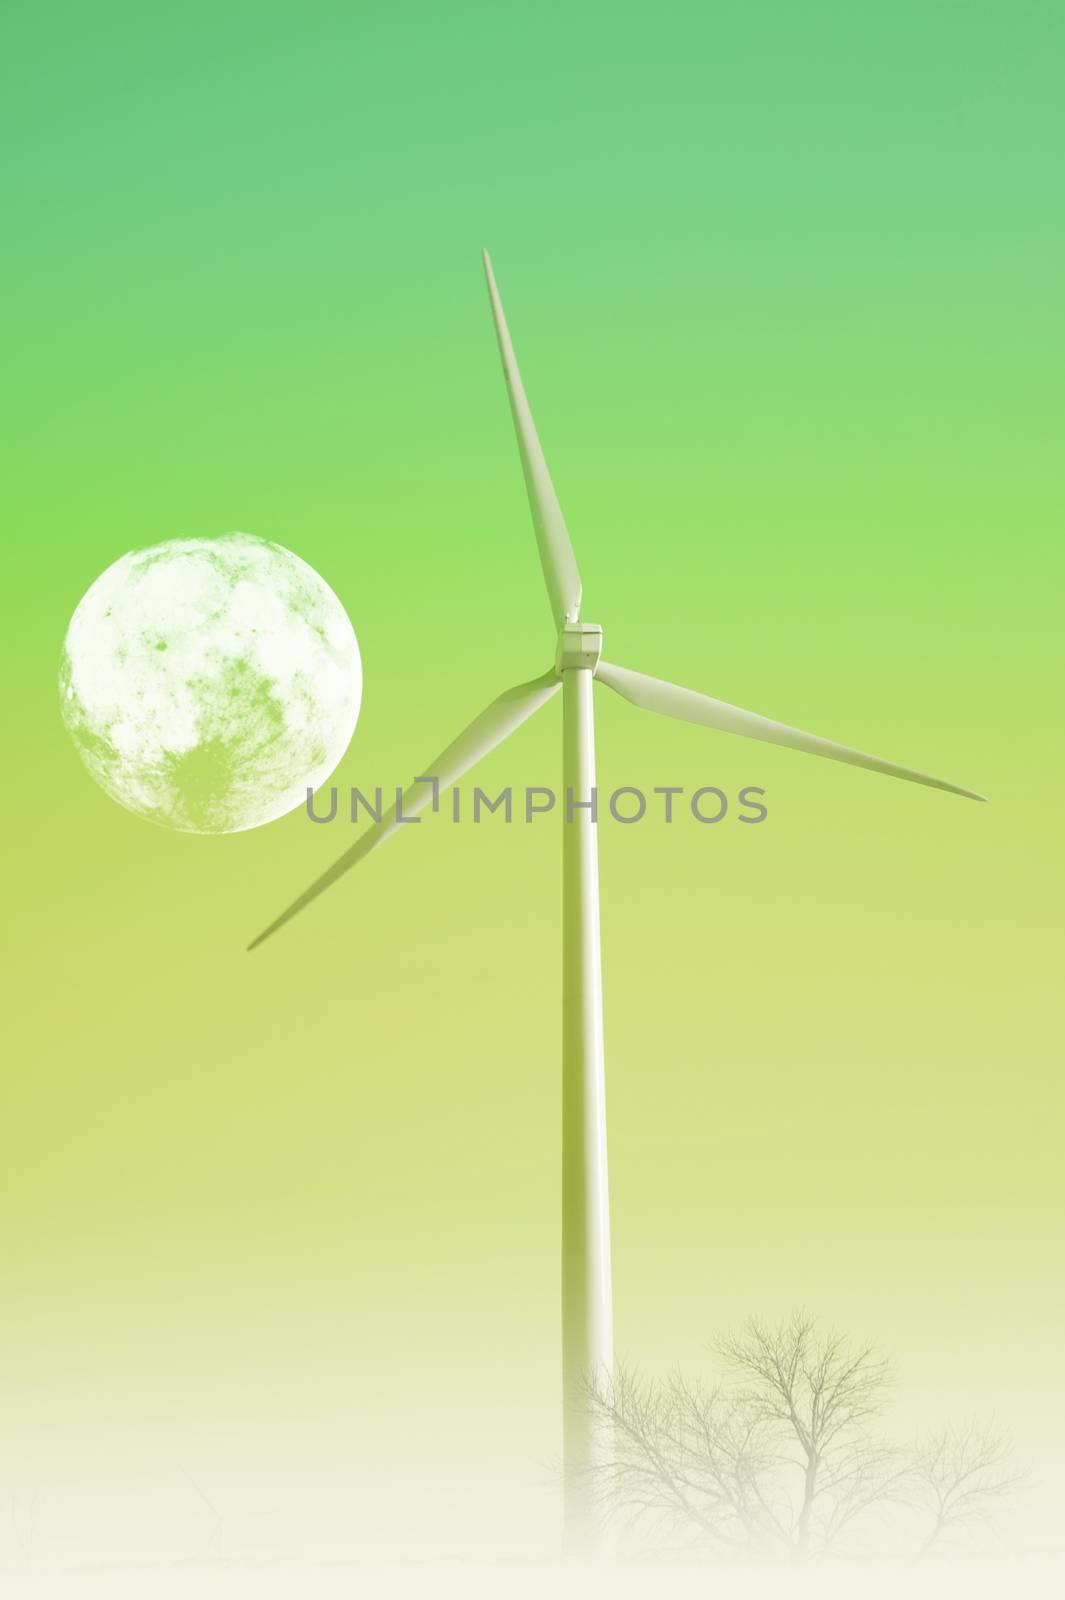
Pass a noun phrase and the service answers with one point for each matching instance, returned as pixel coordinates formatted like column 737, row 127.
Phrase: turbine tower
column 587, row 1304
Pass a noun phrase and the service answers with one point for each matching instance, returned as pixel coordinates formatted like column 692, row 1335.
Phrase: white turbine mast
column 587, row 1301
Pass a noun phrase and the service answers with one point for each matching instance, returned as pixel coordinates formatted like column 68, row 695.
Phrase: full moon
column 209, row 683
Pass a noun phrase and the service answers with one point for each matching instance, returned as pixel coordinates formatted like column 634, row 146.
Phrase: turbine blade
column 556, row 552
column 670, row 700
column 483, row 734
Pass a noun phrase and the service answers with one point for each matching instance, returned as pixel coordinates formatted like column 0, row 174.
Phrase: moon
column 209, row 683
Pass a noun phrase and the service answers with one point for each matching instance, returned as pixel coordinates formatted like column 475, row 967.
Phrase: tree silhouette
column 782, row 1459
column 961, row 1472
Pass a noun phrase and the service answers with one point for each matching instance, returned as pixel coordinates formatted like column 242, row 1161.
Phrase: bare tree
column 958, row 1473
column 781, row 1459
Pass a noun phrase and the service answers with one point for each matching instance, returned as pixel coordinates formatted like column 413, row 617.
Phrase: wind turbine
column 587, row 1304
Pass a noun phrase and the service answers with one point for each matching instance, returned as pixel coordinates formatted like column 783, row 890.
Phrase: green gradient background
column 785, row 285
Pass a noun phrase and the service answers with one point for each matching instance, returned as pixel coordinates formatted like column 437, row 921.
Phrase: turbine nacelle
column 580, row 645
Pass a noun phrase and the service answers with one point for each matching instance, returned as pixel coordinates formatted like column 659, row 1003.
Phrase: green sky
column 784, row 280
